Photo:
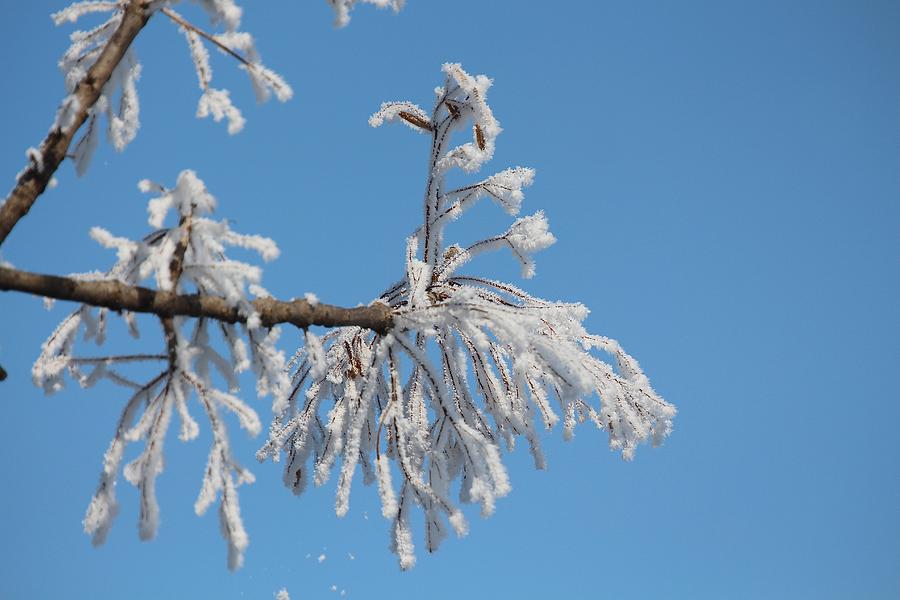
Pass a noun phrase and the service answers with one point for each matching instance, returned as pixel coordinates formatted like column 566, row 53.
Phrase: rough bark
column 33, row 181
column 118, row 296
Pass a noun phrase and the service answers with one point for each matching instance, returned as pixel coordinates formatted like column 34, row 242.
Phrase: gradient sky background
column 724, row 181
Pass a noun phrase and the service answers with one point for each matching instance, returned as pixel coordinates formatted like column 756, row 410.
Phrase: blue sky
column 724, row 181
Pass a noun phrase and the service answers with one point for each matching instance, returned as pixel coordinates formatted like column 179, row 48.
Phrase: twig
column 187, row 25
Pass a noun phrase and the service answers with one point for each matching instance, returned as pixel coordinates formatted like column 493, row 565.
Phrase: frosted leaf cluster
column 187, row 257
column 470, row 365
column 119, row 100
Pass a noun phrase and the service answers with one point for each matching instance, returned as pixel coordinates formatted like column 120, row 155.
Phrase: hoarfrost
column 188, row 256
column 470, row 364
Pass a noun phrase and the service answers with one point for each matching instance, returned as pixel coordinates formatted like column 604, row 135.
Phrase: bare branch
column 118, row 296
column 33, row 181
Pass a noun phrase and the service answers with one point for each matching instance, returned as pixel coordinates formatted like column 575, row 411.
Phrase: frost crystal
column 471, row 363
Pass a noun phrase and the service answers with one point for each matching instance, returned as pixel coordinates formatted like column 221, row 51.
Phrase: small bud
column 479, row 137
column 415, row 120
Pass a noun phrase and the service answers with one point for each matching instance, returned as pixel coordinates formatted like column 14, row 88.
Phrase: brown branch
column 119, row 296
column 38, row 174
column 176, row 267
column 176, row 18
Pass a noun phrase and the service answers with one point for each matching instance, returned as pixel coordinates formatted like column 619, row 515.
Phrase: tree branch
column 33, row 181
column 119, row 296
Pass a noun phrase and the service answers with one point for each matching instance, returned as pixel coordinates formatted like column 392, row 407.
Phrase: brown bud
column 479, row 137
column 415, row 120
column 450, row 253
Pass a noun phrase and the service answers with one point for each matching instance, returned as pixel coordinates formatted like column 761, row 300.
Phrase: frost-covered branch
column 181, row 258
column 470, row 364
column 422, row 390
column 43, row 162
column 101, row 62
column 240, row 46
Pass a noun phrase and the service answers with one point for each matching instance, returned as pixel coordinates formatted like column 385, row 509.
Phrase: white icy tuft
column 342, row 8
column 119, row 101
column 471, row 365
column 190, row 363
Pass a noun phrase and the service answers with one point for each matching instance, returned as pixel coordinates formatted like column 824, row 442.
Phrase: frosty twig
column 483, row 359
column 75, row 111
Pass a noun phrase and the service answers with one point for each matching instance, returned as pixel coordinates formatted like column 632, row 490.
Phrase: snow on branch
column 100, row 55
column 189, row 255
column 470, row 365
column 122, row 117
column 420, row 390
column 240, row 46
column 101, row 73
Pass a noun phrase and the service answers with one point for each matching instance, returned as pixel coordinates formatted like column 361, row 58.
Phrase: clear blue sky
column 724, row 180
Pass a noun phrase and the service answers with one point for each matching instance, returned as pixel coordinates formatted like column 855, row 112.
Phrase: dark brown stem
column 176, row 267
column 52, row 152
column 119, row 296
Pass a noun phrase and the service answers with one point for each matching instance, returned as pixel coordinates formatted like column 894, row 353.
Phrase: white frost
column 470, row 364
column 282, row 594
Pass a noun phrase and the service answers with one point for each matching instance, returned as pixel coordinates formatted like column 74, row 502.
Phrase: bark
column 53, row 149
column 119, row 296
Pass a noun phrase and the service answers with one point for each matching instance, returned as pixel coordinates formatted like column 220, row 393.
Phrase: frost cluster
column 470, row 365
column 123, row 111
column 187, row 257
